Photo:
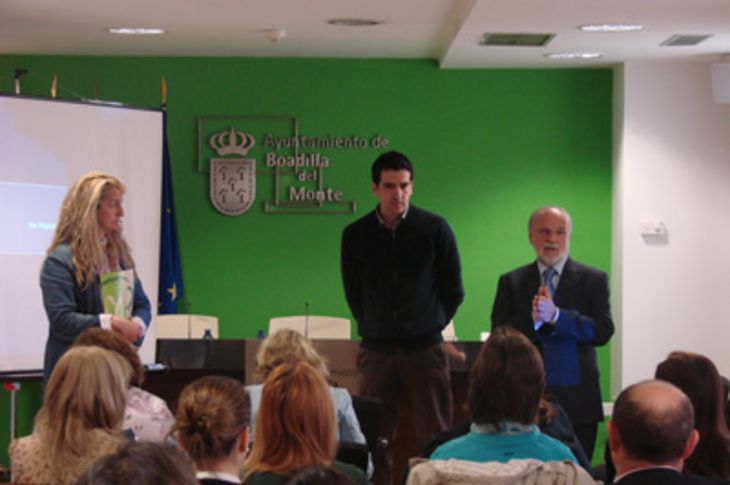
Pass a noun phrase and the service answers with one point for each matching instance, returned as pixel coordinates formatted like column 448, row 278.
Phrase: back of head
column 287, row 346
column 391, row 160
column 78, row 225
column 507, row 379
column 106, row 339
column 317, row 475
column 87, row 390
column 295, row 424
column 141, row 463
column 697, row 376
column 654, row 420
column 212, row 412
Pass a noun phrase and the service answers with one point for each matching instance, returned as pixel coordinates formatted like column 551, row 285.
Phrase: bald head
column 654, row 421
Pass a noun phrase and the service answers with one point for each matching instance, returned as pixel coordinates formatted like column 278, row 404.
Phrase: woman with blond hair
column 79, row 421
column 146, row 415
column 88, row 241
column 288, row 347
column 296, row 427
column 213, row 415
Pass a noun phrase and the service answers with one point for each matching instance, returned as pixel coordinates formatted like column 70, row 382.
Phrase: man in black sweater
column 402, row 280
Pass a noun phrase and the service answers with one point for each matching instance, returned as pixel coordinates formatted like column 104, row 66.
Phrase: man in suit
column 651, row 434
column 562, row 306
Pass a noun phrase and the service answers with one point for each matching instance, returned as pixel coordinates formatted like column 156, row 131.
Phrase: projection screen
column 45, row 145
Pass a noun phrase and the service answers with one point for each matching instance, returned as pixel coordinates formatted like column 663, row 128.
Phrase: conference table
column 186, row 360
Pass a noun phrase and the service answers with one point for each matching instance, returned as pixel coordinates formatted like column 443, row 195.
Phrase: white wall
column 671, row 164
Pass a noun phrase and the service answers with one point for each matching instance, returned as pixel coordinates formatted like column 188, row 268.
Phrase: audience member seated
column 213, row 415
column 80, row 419
column 295, row 427
column 698, row 378
column 141, row 463
column 551, row 420
column 506, row 386
column 317, row 475
column 146, row 415
column 651, row 435
column 289, row 346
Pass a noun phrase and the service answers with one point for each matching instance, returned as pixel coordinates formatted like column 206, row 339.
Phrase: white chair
column 182, row 326
column 200, row 323
column 313, row 326
column 174, row 326
column 449, row 333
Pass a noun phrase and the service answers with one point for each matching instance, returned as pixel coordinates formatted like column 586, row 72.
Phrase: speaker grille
column 516, row 39
column 685, row 40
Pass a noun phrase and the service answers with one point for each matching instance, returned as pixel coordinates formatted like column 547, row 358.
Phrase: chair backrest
column 368, row 410
column 354, row 454
column 182, row 326
column 449, row 333
column 199, row 324
column 313, row 326
column 172, row 326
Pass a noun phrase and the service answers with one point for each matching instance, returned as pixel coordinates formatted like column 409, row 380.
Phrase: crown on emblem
column 227, row 142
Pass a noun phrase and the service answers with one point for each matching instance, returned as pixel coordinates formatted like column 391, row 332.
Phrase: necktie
column 548, row 279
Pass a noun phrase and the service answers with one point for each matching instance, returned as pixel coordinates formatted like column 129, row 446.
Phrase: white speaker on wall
column 720, row 82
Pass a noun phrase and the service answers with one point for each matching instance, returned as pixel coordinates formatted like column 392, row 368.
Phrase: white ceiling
column 446, row 30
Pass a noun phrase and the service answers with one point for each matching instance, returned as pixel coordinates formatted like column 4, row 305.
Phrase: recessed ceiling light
column 354, row 22
column 136, row 31
column 611, row 27
column 574, row 55
column 275, row 35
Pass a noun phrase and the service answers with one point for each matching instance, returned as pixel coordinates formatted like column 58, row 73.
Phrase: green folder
column 117, row 288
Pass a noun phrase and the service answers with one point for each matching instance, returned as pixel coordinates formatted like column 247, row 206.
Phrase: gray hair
column 546, row 208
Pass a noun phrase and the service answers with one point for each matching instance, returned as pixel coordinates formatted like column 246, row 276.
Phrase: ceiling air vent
column 516, row 40
column 685, row 40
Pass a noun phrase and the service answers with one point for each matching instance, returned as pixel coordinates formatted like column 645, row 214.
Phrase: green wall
column 488, row 147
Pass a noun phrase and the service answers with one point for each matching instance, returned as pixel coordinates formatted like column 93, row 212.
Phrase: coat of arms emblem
column 232, row 178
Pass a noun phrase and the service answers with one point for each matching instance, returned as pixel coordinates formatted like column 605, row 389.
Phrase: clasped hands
column 543, row 308
column 127, row 328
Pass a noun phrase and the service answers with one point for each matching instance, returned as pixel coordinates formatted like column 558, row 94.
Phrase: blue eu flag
column 171, row 288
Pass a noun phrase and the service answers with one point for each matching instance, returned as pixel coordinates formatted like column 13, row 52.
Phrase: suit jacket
column 72, row 309
column 666, row 476
column 568, row 349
